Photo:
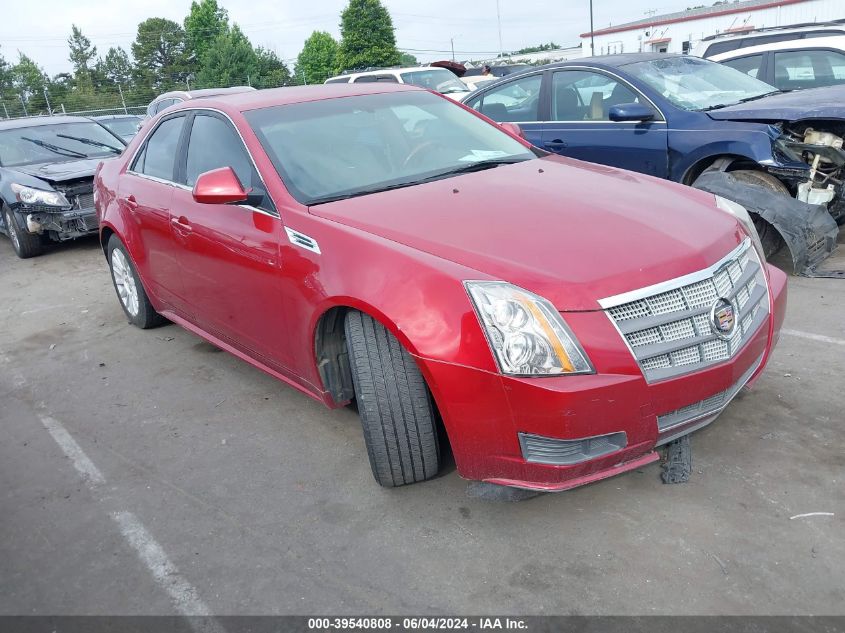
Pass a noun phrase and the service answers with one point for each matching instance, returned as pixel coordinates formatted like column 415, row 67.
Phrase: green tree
column 29, row 81
column 318, row 58
column 5, row 75
column 82, row 54
column 159, row 52
column 406, row 59
column 367, row 36
column 271, row 72
column 205, row 22
column 230, row 60
column 116, row 68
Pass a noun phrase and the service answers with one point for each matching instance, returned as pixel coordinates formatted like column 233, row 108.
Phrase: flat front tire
column 26, row 244
column 769, row 236
column 133, row 298
column 394, row 403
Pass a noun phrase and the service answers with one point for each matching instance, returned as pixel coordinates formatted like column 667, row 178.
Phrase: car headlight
column 527, row 335
column 33, row 196
column 741, row 214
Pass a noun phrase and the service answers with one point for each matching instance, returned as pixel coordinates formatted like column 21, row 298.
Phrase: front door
column 580, row 126
column 229, row 254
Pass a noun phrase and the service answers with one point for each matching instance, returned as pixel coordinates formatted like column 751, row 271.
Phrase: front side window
column 437, row 79
column 808, row 68
column 56, row 142
column 214, row 144
column 748, row 65
column 342, row 148
column 581, row 95
column 691, row 83
column 515, row 101
column 158, row 156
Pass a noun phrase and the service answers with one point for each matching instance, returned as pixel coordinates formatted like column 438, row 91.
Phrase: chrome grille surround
column 667, row 326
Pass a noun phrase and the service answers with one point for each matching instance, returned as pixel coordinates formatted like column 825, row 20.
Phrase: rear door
column 146, row 189
column 521, row 100
column 579, row 125
column 229, row 253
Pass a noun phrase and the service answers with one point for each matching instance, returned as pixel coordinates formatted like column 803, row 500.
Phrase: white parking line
column 184, row 596
column 814, row 337
column 91, row 475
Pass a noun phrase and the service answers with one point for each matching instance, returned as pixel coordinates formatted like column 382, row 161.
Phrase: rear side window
column 215, row 144
column 749, row 65
column 158, row 156
column 808, row 69
column 515, row 101
column 339, row 80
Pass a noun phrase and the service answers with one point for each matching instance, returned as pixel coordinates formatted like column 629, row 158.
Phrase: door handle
column 181, row 224
column 555, row 145
column 130, row 202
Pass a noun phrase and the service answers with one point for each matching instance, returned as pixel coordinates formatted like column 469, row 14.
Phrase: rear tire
column 394, row 403
column 130, row 291
column 769, row 235
column 26, row 244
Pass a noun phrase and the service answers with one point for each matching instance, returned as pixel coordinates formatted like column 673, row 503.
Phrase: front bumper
column 486, row 414
column 60, row 225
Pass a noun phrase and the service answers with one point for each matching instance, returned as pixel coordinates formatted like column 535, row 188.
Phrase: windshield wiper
column 90, row 141
column 743, row 100
column 56, row 149
column 463, row 169
column 765, row 94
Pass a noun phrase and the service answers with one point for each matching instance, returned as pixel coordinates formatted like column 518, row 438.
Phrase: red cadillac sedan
column 383, row 244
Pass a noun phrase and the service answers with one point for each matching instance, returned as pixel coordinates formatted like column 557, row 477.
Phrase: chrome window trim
column 672, row 284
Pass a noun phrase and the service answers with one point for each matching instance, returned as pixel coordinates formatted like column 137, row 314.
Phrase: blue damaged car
column 695, row 122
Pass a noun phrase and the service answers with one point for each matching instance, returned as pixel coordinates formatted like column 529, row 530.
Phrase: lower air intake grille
column 550, row 450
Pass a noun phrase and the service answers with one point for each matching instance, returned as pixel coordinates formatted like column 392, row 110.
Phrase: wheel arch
column 722, row 162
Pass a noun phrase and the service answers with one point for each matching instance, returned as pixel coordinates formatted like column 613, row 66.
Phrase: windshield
column 340, row 148
column 437, row 79
column 126, row 127
column 697, row 84
column 57, row 142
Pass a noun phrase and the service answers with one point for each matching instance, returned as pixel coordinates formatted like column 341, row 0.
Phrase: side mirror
column 630, row 112
column 219, row 186
column 513, row 128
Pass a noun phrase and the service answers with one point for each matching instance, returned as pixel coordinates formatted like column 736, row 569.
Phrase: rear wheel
column 25, row 243
column 394, row 403
column 133, row 298
column 769, row 236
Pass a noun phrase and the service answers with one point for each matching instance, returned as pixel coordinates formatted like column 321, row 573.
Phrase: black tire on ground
column 394, row 403
column 144, row 316
column 25, row 243
column 769, row 235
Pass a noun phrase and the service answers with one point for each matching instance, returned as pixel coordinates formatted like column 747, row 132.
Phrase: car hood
column 813, row 103
column 58, row 172
column 572, row 232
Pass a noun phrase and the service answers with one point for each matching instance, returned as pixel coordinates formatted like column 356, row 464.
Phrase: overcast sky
column 39, row 28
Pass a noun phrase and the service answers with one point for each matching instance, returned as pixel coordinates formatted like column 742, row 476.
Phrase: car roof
column 598, row 61
column 109, row 117
column 764, row 32
column 34, row 121
column 254, row 100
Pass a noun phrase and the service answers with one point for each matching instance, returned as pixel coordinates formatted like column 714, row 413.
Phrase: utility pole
column 592, row 36
column 499, row 20
column 47, row 99
column 23, row 105
column 122, row 100
column 4, row 109
column 452, row 39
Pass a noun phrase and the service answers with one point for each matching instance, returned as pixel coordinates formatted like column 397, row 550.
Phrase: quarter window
column 159, row 154
column 516, row 101
column 391, row 79
column 579, row 95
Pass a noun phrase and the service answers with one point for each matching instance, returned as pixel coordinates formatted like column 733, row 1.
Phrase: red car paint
column 568, row 231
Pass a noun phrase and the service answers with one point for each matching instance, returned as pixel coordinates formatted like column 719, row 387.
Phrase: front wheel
column 133, row 298
column 25, row 243
column 394, row 403
column 769, row 236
